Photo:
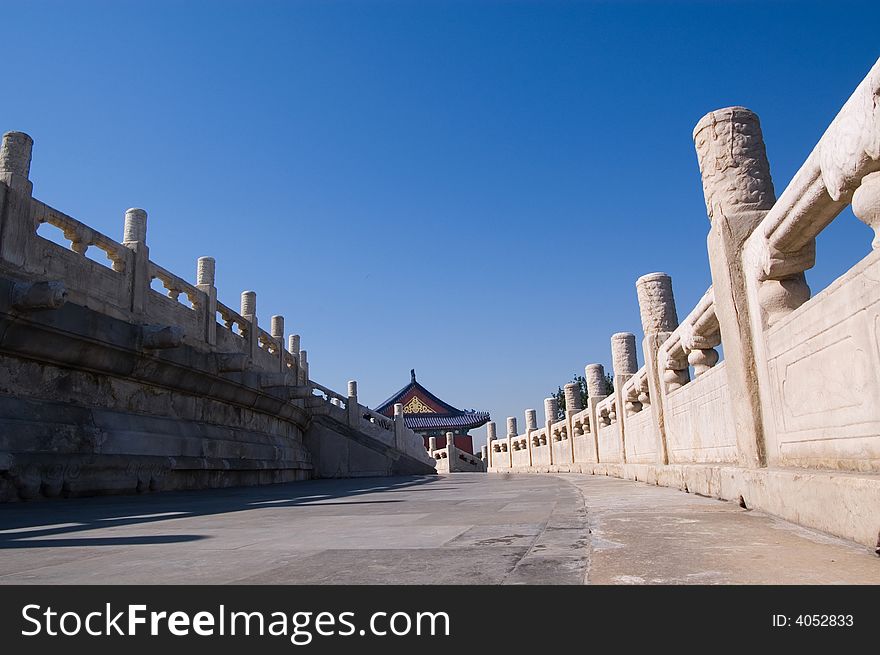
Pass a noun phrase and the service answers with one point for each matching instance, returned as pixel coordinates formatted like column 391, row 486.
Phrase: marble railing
column 451, row 459
column 795, row 401
column 131, row 287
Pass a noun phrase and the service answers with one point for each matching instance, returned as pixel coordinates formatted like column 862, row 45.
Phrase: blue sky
column 465, row 188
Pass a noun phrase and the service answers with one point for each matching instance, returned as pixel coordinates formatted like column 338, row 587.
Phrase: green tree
column 581, row 381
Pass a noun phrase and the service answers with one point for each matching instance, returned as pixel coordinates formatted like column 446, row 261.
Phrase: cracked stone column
column 597, row 390
column 399, row 426
column 205, row 282
column 304, row 367
column 293, row 349
column 739, row 192
column 659, row 320
column 625, row 365
column 531, row 426
column 490, row 437
column 573, row 405
column 551, row 411
column 276, row 329
column 16, row 210
column 134, row 237
column 352, row 405
column 511, row 434
column 249, row 314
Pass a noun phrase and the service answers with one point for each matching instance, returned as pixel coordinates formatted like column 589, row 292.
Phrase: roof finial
column 412, row 372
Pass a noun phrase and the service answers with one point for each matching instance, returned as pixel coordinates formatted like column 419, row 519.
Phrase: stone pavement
column 468, row 528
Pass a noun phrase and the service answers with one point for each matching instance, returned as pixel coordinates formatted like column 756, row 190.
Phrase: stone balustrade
column 451, row 459
column 215, row 398
column 789, row 420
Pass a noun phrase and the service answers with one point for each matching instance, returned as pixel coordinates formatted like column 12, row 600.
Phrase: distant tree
column 581, row 381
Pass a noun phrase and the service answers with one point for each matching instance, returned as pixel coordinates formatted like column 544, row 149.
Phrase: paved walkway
column 465, row 528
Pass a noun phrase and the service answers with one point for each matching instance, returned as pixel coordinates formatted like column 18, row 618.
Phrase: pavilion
column 427, row 415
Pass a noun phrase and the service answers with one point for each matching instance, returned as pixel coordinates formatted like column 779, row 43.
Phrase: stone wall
column 789, row 422
column 108, row 386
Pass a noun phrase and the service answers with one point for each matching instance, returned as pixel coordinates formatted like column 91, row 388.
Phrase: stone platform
column 466, row 528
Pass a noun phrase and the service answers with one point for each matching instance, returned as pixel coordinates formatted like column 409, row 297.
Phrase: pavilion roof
column 423, row 410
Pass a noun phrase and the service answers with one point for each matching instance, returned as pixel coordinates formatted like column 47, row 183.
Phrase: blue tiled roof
column 465, row 420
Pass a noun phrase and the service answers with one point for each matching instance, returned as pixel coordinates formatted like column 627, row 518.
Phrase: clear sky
column 469, row 189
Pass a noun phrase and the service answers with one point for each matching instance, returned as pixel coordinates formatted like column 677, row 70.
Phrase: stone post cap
column 652, row 277
column 450, row 439
column 352, row 388
column 398, row 409
column 725, row 115
column 135, row 226
column 595, row 375
column 15, row 153
column 623, row 353
column 733, row 163
column 293, row 344
column 205, row 270
column 248, row 303
column 511, row 426
column 490, row 430
column 656, row 303
column 276, row 324
column 551, row 408
column 573, row 397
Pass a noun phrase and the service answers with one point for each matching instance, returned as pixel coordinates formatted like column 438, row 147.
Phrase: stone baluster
column 205, row 282
column 739, row 192
column 134, row 237
column 633, row 406
column 702, row 359
column 659, row 320
column 866, row 204
column 16, row 210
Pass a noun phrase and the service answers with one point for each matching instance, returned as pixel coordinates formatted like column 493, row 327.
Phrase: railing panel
column 824, row 371
column 698, row 420
column 641, row 438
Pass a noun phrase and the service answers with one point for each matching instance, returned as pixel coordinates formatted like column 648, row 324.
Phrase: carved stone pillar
column 16, row 211
column 739, row 192
column 659, row 321
column 205, row 275
column 597, row 389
